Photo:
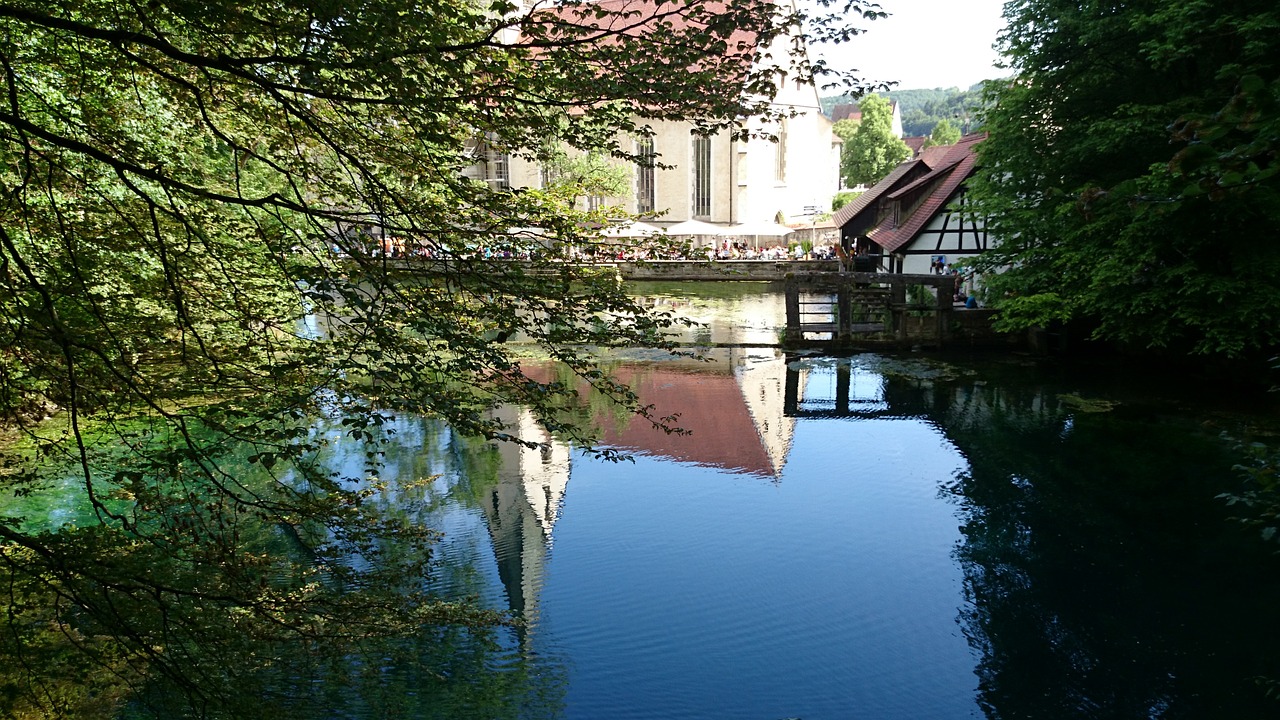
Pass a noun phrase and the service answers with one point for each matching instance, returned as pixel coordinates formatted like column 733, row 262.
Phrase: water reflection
column 521, row 509
column 733, row 313
column 1100, row 576
column 1104, row 579
column 867, row 536
column 732, row 408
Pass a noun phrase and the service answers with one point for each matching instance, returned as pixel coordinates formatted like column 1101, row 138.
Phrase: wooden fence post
column 898, row 303
column 793, row 333
column 946, row 304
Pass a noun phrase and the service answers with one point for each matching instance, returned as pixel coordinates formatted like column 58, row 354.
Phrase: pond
column 872, row 536
column 886, row 538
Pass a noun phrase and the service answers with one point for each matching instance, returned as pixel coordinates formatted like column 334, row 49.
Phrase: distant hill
column 923, row 108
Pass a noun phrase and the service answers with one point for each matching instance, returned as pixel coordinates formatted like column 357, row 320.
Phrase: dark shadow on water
column 1103, row 577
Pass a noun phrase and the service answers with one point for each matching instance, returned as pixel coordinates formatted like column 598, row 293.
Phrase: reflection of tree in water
column 488, row 672
column 1103, row 578
column 444, row 669
column 445, row 672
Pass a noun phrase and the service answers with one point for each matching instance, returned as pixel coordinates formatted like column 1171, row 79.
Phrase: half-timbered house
column 917, row 218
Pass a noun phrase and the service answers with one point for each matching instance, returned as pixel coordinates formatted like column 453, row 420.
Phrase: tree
column 873, row 150
column 922, row 110
column 200, row 205
column 843, row 198
column 1130, row 174
column 591, row 174
column 845, row 130
column 944, row 133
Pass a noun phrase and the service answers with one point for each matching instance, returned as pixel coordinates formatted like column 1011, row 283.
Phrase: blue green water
column 937, row 541
column 884, row 537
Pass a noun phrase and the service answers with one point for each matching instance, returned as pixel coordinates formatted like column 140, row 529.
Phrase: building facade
column 788, row 170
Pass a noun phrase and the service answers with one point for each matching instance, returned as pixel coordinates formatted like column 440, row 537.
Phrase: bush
column 843, row 198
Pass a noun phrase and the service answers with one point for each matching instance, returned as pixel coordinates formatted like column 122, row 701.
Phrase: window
column 780, row 164
column 496, row 171
column 701, row 176
column 645, row 189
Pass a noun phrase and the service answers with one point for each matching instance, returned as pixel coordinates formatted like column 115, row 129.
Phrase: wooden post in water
column 898, row 303
column 791, row 391
column 844, row 310
column 946, row 296
column 844, row 379
column 793, row 332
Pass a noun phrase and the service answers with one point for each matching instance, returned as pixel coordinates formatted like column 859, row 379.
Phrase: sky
column 924, row 44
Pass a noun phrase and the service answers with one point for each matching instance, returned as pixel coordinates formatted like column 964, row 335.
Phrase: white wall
column 745, row 186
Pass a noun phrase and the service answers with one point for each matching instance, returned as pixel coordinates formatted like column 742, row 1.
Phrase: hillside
column 923, row 108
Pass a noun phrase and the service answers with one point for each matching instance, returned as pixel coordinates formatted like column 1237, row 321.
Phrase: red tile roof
column 941, row 184
column 934, row 154
column 866, row 199
column 607, row 24
column 939, row 171
column 638, row 18
column 846, row 111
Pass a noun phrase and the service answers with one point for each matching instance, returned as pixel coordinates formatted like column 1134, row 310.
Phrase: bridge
column 826, row 307
column 839, row 308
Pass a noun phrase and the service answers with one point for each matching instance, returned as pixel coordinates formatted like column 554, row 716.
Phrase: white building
column 717, row 179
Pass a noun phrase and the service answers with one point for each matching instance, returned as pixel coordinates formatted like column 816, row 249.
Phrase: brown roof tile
column 863, row 201
column 846, row 111
column 607, row 30
column 955, row 167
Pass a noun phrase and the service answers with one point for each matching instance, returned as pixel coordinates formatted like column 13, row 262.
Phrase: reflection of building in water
column 754, row 316
column 762, row 380
column 732, row 409
column 874, row 387
column 522, row 507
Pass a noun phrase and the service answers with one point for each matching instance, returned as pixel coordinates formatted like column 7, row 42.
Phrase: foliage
column 923, row 109
column 1260, row 494
column 845, row 129
column 222, row 220
column 921, row 300
column 944, row 133
column 1130, row 172
column 1022, row 312
column 591, row 174
column 842, row 198
column 873, row 150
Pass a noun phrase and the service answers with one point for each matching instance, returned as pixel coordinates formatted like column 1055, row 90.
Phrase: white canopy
column 695, row 227
column 634, row 228
column 767, row 229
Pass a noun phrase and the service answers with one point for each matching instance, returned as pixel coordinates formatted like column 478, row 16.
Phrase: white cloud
column 924, row 44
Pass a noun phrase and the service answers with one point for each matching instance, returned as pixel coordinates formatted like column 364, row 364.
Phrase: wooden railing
column 849, row 307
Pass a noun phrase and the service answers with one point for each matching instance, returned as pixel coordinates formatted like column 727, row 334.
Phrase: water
column 864, row 537
column 902, row 538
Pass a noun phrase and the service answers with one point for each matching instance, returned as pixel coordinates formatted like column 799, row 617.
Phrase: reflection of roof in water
column 709, row 404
